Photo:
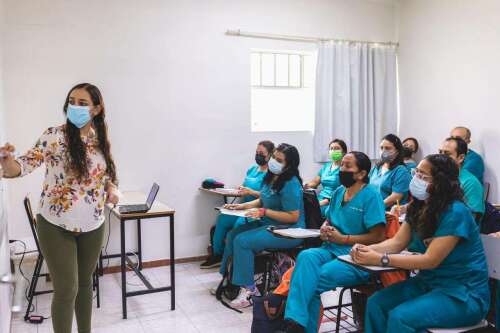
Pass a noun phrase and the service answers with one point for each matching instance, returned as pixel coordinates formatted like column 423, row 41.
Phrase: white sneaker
column 244, row 298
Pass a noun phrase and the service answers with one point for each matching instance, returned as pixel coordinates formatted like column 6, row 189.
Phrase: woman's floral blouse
column 74, row 205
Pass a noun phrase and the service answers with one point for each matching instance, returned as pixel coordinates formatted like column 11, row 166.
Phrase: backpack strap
column 221, row 286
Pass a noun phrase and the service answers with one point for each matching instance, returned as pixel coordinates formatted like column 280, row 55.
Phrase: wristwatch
column 384, row 261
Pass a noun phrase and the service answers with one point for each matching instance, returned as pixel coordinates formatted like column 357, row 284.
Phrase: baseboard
column 156, row 263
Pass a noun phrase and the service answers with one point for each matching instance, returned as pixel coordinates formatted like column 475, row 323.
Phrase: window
column 282, row 89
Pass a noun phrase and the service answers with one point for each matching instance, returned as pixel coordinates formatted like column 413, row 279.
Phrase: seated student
column 328, row 176
column 451, row 288
column 250, row 189
column 410, row 148
column 281, row 203
column 456, row 148
column 356, row 215
column 390, row 175
column 473, row 161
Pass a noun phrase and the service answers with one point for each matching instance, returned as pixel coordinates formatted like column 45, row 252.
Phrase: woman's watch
column 385, row 261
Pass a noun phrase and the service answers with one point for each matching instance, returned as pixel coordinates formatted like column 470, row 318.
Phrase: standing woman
column 451, row 287
column 80, row 178
column 328, row 176
column 390, row 175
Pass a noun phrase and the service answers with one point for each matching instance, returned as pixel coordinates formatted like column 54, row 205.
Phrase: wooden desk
column 158, row 210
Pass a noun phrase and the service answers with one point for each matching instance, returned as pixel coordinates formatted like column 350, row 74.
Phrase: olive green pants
column 71, row 259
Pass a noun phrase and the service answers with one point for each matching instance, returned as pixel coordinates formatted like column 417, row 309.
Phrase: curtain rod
column 239, row 33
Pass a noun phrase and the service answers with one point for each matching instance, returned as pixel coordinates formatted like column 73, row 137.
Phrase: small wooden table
column 158, row 210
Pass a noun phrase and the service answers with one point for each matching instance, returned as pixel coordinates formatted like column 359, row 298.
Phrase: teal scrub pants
column 316, row 271
column 497, row 325
column 223, row 225
column 410, row 306
column 244, row 242
column 323, row 210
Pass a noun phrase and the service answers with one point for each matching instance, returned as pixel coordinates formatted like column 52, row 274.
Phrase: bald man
column 473, row 162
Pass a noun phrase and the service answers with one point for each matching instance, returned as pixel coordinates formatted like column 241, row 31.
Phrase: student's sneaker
column 244, row 298
column 211, row 262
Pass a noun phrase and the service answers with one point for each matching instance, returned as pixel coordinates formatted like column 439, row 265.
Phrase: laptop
column 141, row 208
column 491, row 249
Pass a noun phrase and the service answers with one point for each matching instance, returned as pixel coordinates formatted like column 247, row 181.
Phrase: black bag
column 312, row 215
column 491, row 220
column 268, row 313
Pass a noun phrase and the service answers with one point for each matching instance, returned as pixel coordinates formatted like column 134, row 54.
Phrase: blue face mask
column 275, row 167
column 418, row 188
column 78, row 115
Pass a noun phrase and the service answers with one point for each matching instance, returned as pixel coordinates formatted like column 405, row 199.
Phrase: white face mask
column 275, row 167
column 418, row 188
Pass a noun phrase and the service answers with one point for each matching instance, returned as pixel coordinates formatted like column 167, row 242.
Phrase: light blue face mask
column 275, row 167
column 78, row 115
column 418, row 188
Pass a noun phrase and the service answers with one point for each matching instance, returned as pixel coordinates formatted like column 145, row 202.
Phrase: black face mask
column 406, row 152
column 260, row 159
column 347, row 178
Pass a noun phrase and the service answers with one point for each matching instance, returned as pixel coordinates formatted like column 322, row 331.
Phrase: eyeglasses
column 417, row 173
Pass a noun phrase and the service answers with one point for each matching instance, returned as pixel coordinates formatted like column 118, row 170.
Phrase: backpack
column 312, row 216
column 491, row 220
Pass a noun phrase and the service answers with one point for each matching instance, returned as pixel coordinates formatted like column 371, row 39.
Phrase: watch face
column 385, row 260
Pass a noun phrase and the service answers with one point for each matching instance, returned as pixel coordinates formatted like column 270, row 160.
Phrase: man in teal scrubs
column 473, row 162
column 456, row 148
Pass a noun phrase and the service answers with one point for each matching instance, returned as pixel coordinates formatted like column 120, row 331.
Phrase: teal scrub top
column 475, row 164
column 411, row 165
column 464, row 272
column 290, row 198
column 356, row 217
column 253, row 180
column 395, row 180
column 329, row 180
column 473, row 191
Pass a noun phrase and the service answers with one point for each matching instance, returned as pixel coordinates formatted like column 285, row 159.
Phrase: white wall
column 177, row 90
column 5, row 289
column 450, row 75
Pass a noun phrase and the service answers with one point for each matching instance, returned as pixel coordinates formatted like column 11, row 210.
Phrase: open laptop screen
column 152, row 195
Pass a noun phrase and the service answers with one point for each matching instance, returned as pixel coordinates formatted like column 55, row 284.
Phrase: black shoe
column 293, row 327
column 211, row 262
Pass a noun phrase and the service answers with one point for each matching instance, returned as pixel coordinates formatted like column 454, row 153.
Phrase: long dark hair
column 76, row 154
column 363, row 163
column 292, row 159
column 398, row 160
column 423, row 216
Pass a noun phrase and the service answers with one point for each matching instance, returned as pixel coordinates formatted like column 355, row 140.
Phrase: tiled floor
column 196, row 310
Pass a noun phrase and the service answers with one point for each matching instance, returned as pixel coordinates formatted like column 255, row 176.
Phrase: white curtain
column 356, row 96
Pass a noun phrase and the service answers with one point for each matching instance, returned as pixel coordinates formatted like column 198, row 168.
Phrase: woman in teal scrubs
column 390, row 175
column 328, row 176
column 281, row 203
column 451, row 288
column 250, row 191
column 356, row 215
column 410, row 148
